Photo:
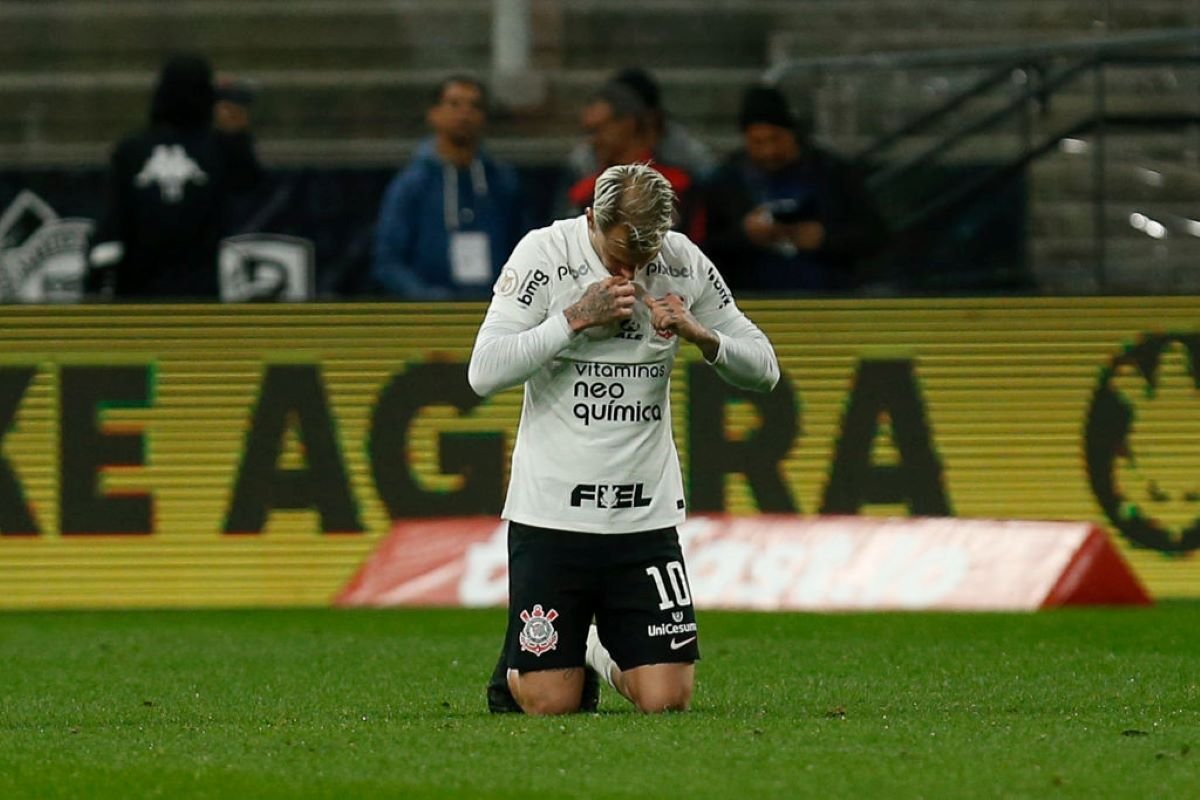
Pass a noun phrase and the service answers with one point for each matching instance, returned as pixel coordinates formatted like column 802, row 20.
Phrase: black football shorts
column 633, row 584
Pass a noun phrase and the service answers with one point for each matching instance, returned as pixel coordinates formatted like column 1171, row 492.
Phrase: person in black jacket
column 783, row 214
column 169, row 186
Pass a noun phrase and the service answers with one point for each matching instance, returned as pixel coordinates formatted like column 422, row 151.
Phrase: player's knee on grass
column 660, row 699
column 655, row 688
column 544, row 692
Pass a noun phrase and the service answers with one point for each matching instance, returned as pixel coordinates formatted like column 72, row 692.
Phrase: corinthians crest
column 41, row 254
column 539, row 635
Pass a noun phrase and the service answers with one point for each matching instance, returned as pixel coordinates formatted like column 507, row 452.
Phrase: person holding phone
column 783, row 214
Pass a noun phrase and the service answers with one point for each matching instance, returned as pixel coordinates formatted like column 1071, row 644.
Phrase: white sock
column 509, row 678
column 598, row 658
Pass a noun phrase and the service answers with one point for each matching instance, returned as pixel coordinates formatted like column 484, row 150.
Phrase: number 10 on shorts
column 679, row 586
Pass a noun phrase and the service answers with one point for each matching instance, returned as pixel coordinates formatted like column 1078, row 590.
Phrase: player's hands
column 669, row 314
column 605, row 302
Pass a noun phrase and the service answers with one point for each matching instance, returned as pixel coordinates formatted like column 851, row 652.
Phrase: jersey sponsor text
column 670, row 629
column 670, row 270
column 592, row 369
column 714, row 278
column 612, row 411
column 616, row 495
column 529, row 289
column 575, row 272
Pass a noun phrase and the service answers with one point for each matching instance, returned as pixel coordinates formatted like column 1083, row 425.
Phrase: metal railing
column 1019, row 84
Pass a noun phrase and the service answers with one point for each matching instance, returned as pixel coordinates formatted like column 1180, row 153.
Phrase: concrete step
column 997, row 16
column 1066, row 265
column 1140, row 180
column 318, row 105
column 241, row 36
column 868, row 106
column 398, row 34
column 1078, row 218
column 454, row 34
column 510, row 138
column 915, row 37
column 61, row 107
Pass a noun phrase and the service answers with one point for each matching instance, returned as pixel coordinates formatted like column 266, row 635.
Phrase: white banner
column 791, row 563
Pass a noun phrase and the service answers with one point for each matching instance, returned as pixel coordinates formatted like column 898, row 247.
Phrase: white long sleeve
column 594, row 450
column 507, row 354
column 746, row 358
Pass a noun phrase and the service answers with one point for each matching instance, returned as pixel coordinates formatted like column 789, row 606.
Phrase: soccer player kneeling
column 589, row 314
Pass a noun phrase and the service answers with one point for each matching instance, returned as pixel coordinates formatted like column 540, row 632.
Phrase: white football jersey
column 594, row 449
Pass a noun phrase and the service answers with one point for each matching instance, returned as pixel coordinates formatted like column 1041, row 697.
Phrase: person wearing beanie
column 766, row 105
column 783, row 214
column 169, row 186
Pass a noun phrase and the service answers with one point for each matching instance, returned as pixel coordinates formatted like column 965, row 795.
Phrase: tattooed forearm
column 575, row 317
column 595, row 306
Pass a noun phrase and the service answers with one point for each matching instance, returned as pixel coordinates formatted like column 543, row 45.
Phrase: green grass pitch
column 362, row 704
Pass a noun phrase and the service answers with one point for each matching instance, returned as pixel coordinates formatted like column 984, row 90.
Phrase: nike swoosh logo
column 676, row 645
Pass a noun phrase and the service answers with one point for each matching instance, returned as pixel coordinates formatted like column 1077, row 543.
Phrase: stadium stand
column 344, row 84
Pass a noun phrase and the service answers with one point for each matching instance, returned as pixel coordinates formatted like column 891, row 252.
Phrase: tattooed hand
column 669, row 314
column 604, row 302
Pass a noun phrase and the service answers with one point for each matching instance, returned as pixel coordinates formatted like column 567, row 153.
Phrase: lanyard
column 450, row 208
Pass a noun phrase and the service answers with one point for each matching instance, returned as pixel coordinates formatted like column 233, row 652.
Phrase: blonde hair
column 638, row 197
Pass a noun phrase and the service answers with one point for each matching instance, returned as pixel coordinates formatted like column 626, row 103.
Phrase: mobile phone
column 789, row 211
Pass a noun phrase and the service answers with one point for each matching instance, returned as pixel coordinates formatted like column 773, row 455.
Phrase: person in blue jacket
column 450, row 219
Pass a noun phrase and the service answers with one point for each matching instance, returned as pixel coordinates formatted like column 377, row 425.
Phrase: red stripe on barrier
column 1097, row 575
column 422, row 562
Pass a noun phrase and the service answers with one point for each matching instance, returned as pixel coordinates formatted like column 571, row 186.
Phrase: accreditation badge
column 470, row 258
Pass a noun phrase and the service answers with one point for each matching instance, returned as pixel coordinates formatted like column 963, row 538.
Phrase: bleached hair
column 639, row 197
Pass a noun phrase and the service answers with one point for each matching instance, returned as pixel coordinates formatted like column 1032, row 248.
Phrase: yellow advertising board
column 185, row 455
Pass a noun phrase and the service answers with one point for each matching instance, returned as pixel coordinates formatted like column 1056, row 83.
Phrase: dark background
column 972, row 250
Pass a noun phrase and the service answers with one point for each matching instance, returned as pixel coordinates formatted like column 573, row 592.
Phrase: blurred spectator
column 671, row 141
column 783, row 214
column 169, row 189
column 450, row 219
column 620, row 130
